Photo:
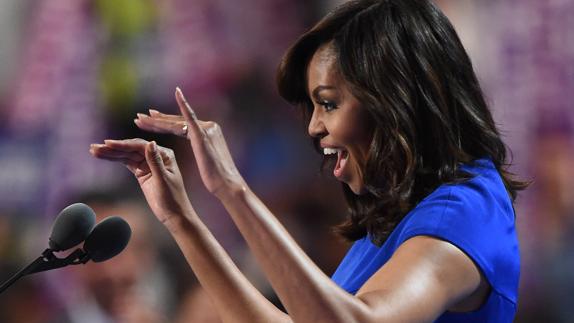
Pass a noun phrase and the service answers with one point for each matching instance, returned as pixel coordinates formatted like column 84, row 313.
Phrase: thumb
column 153, row 158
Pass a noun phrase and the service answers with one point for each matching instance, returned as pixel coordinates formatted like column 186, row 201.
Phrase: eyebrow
column 320, row 88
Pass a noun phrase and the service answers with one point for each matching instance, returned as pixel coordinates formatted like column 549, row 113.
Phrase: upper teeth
column 330, row 151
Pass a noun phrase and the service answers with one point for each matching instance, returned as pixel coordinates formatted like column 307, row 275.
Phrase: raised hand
column 216, row 167
column 156, row 170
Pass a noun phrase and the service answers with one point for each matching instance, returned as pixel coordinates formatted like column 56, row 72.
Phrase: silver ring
column 184, row 130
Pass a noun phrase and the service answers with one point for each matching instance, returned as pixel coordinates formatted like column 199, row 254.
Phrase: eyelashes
column 327, row 105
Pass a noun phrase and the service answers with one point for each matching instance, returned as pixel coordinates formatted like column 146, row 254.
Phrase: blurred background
column 75, row 72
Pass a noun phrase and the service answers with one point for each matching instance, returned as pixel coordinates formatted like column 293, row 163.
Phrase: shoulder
column 429, row 274
column 477, row 217
column 483, row 198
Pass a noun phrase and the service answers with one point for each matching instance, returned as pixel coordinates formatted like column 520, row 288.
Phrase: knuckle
column 169, row 152
column 213, row 128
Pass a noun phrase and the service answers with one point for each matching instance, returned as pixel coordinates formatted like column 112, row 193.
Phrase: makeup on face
column 338, row 119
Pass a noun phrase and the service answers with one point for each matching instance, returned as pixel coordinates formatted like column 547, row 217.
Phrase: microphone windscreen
column 108, row 239
column 72, row 226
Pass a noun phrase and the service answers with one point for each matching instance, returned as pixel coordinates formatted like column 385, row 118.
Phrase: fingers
column 154, row 159
column 106, row 152
column 156, row 114
column 132, row 145
column 138, row 155
column 188, row 114
column 171, row 124
column 132, row 150
column 155, row 123
column 185, row 108
column 130, row 159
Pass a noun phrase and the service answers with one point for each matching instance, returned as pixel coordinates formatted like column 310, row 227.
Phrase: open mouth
column 336, row 159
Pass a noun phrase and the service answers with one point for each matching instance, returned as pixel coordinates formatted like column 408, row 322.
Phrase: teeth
column 331, row 151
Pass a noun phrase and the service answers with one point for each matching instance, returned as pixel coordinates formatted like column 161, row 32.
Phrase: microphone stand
column 48, row 261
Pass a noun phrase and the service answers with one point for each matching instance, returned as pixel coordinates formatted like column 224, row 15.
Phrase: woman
column 392, row 101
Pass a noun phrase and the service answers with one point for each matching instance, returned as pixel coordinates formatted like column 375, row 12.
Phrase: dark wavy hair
column 404, row 62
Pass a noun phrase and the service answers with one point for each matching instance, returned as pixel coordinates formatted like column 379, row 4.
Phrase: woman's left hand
column 216, row 167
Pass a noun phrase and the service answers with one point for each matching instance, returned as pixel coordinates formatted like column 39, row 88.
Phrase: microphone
column 74, row 225
column 108, row 239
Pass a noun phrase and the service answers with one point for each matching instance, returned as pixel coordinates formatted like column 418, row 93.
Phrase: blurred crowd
column 74, row 72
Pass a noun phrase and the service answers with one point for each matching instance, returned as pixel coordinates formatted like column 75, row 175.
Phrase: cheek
column 350, row 130
column 366, row 132
column 360, row 139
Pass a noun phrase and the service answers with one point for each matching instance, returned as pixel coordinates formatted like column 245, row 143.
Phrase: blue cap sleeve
column 477, row 217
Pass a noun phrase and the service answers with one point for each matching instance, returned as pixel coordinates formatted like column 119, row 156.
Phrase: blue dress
column 476, row 216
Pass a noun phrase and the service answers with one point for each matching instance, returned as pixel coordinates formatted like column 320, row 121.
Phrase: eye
column 328, row 105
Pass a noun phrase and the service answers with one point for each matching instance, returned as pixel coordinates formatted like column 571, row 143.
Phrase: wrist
column 175, row 222
column 231, row 192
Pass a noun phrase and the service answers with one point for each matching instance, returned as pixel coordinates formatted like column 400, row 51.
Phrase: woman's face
column 342, row 124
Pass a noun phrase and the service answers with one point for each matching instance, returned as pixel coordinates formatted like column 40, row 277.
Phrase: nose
column 316, row 126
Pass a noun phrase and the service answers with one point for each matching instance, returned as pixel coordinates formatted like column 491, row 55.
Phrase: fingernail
column 180, row 93
column 153, row 146
column 141, row 115
column 153, row 111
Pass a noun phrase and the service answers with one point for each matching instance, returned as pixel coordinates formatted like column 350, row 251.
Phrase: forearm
column 234, row 297
column 308, row 294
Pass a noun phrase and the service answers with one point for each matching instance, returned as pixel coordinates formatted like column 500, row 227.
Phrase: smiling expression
column 342, row 124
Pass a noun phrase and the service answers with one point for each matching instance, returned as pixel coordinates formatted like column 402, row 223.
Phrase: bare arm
column 155, row 168
column 235, row 298
column 425, row 277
